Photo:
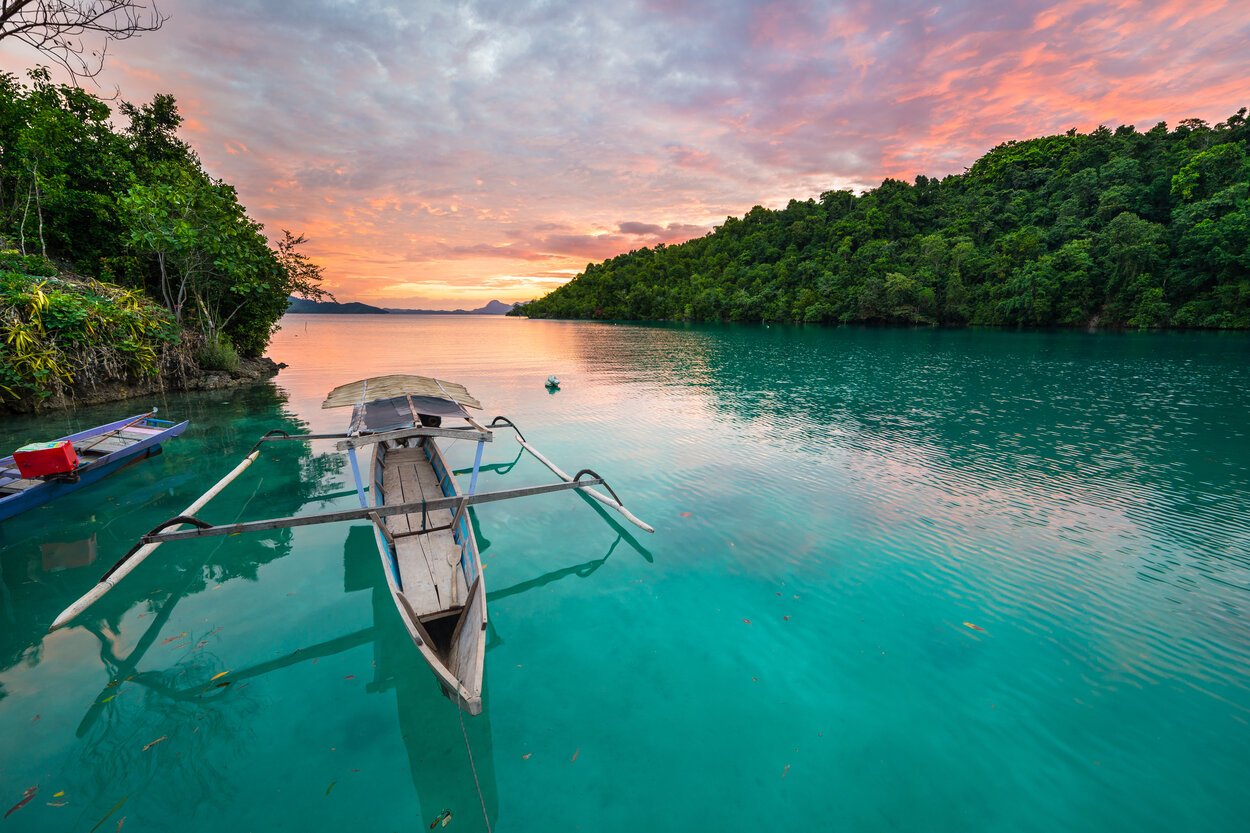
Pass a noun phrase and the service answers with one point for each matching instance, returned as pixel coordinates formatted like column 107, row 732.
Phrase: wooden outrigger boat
column 418, row 510
column 100, row 451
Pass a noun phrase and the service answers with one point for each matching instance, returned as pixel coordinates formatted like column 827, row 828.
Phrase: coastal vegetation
column 118, row 244
column 1115, row 228
column 58, row 331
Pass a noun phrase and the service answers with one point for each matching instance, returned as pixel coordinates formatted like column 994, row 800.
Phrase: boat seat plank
column 105, row 446
column 429, row 563
column 393, row 493
column 414, row 573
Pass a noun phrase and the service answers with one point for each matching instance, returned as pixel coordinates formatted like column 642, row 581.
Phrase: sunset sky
column 443, row 154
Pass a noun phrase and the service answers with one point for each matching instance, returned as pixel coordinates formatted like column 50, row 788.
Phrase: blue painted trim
column 477, row 465
column 360, row 487
column 89, row 473
column 94, row 432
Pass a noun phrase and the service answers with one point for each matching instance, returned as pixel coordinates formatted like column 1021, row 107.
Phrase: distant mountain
column 300, row 305
column 491, row 308
column 304, row 306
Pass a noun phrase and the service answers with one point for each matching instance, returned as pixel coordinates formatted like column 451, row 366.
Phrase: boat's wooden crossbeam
column 422, row 431
column 363, row 514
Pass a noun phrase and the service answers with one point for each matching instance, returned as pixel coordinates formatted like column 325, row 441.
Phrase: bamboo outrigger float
column 418, row 510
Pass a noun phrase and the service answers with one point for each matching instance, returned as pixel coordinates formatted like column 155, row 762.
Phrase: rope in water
column 472, row 766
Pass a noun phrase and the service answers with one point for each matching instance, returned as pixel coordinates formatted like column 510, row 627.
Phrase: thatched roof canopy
column 388, row 387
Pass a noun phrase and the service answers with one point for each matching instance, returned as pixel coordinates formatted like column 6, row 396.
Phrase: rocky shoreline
column 250, row 371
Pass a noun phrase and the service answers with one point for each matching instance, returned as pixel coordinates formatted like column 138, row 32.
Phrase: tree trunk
column 43, row 248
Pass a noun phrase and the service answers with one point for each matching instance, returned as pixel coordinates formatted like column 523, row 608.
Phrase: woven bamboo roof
column 387, row 387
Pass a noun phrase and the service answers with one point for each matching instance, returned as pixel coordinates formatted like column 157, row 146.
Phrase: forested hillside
column 1110, row 228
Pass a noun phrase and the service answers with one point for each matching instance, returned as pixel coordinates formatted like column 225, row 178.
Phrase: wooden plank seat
column 98, row 448
column 429, row 558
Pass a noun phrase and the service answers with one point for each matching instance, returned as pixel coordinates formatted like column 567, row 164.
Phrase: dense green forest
column 90, row 210
column 1111, row 228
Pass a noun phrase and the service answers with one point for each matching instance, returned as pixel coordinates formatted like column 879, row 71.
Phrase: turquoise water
column 913, row 580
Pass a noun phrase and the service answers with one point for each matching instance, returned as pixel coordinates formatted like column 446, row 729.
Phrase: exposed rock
column 179, row 376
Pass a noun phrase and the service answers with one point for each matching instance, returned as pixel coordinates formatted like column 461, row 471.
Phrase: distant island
column 304, row 306
column 1113, row 228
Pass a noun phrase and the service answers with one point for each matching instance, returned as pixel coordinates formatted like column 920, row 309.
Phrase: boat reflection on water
column 195, row 701
column 582, row 570
column 434, row 739
column 66, row 555
column 622, row 534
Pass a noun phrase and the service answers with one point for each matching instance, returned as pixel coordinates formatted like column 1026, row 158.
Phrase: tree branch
column 63, row 31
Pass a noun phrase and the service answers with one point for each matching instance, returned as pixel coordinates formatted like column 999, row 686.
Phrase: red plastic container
column 43, row 459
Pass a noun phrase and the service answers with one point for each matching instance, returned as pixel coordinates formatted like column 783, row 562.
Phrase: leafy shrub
column 218, row 355
column 56, row 333
column 12, row 260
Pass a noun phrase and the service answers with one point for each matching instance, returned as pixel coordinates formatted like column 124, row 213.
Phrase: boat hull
column 446, row 615
column 91, row 472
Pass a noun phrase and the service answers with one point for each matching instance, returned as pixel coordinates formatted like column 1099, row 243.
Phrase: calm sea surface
column 900, row 580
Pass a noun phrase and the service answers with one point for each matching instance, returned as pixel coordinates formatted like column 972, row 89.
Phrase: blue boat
column 101, row 451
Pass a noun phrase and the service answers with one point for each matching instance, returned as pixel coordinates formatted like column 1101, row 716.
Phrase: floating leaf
column 973, row 627
column 332, row 783
column 218, row 675
column 153, row 743
column 26, row 797
column 58, row 794
column 685, row 514
column 350, row 677
column 173, row 638
column 110, row 697
column 785, row 618
column 526, row 756
column 784, row 771
column 576, row 752
column 58, row 803
column 120, row 822
column 442, row 818
column 746, row 621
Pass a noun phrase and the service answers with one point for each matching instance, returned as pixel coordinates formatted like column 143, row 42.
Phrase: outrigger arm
column 613, row 502
column 204, row 530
